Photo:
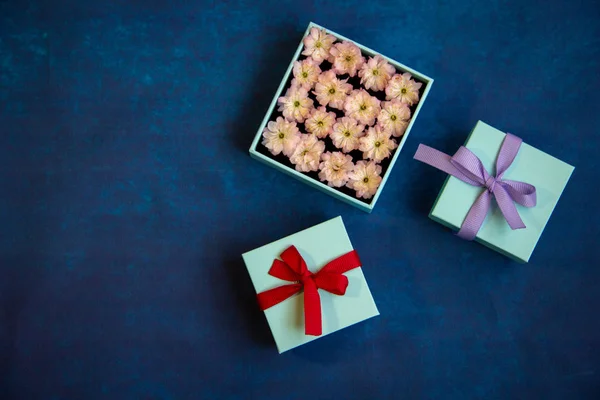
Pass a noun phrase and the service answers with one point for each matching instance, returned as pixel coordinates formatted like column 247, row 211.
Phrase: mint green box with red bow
column 365, row 205
column 548, row 174
column 319, row 247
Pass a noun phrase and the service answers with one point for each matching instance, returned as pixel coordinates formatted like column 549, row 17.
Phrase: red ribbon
column 293, row 268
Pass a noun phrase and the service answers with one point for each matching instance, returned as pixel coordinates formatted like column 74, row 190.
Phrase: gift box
column 310, row 284
column 534, row 179
column 382, row 169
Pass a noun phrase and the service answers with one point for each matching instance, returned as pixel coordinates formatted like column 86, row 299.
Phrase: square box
column 548, row 174
column 365, row 205
column 318, row 246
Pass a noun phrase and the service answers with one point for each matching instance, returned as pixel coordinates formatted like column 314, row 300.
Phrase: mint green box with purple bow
column 548, row 174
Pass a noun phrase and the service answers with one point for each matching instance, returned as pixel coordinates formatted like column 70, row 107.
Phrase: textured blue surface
column 127, row 197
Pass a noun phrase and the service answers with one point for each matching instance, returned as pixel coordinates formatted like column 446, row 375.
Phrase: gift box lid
column 317, row 245
column 548, row 174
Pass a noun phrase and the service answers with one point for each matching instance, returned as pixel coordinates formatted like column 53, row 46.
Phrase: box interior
column 329, row 147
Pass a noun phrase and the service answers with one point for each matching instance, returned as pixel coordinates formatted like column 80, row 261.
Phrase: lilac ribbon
column 467, row 167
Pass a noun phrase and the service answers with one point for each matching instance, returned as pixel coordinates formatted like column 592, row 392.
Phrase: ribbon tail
column 475, row 217
column 508, row 208
column 444, row 162
column 342, row 264
column 312, row 309
column 269, row 298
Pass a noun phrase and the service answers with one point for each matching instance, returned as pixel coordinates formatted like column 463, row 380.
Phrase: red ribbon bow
column 293, row 268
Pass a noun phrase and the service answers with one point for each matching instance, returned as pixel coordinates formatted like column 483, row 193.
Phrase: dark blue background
column 127, row 197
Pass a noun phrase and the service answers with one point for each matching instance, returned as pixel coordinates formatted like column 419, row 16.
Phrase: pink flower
column 295, row 105
column 376, row 73
column 332, row 91
column 377, row 145
column 394, row 117
column 306, row 73
column 346, row 58
column 403, row 88
column 281, row 136
column 335, row 168
column 317, row 44
column 363, row 107
column 307, row 154
column 320, row 123
column 346, row 133
column 365, row 179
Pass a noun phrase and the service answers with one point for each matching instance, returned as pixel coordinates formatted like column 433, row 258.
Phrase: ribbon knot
column 490, row 183
column 304, row 280
column 467, row 167
column 292, row 267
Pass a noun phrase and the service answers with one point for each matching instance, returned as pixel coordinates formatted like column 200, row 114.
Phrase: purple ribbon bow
column 467, row 167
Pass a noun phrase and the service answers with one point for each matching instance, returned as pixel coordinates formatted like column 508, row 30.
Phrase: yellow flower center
column 366, row 179
column 347, row 133
column 318, row 44
column 305, row 74
column 403, row 91
column 281, row 135
column 335, row 167
column 320, row 123
column 393, row 117
column 332, row 91
column 377, row 144
column 305, row 152
column 363, row 107
column 348, row 58
column 375, row 72
column 296, row 103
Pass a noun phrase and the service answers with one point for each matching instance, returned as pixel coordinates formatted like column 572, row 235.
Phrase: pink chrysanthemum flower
column 295, row 105
column 346, row 134
column 317, row 44
column 403, row 88
column 377, row 144
column 281, row 136
column 394, row 117
column 332, row 91
column 335, row 168
column 363, row 107
column 306, row 73
column 346, row 58
column 307, row 155
column 320, row 123
column 376, row 73
column 365, row 179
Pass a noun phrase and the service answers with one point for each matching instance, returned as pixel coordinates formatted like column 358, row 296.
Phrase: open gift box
column 389, row 117
column 535, row 182
column 310, row 284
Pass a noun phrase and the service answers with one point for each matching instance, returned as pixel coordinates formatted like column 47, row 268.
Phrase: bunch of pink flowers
column 351, row 118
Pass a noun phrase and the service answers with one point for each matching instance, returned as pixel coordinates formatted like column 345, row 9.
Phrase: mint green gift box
column 366, row 205
column 549, row 175
column 318, row 245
